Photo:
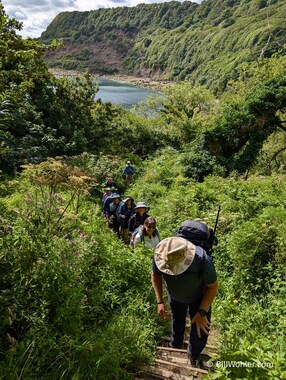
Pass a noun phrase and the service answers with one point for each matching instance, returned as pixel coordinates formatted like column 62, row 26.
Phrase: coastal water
column 121, row 93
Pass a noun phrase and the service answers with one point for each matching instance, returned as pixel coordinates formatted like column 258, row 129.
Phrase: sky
column 36, row 15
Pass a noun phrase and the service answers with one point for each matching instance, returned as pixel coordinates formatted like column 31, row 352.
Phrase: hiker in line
column 138, row 218
column 125, row 213
column 192, row 285
column 128, row 173
column 147, row 234
column 110, row 183
column 106, row 203
column 107, row 192
column 113, row 213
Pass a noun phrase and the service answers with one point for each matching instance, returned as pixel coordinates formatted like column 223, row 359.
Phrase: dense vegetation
column 205, row 43
column 75, row 302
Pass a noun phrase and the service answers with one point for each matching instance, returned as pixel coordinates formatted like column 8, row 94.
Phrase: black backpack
column 199, row 234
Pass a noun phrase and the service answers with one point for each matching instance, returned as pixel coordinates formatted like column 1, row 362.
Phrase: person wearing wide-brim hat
column 125, row 213
column 139, row 217
column 127, row 198
column 115, row 196
column 106, row 203
column 192, row 285
column 142, row 205
column 107, row 192
column 113, row 212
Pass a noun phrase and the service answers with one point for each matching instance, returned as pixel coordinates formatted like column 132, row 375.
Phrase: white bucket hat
column 142, row 205
column 174, row 255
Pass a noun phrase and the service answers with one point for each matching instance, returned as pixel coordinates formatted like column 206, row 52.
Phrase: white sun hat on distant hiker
column 141, row 205
column 174, row 255
column 128, row 197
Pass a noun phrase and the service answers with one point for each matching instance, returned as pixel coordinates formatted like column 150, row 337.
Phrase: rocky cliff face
column 101, row 58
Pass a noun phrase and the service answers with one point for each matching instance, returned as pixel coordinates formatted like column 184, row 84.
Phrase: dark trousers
column 179, row 313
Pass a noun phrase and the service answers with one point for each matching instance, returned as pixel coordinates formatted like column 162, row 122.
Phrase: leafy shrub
column 67, row 286
column 198, row 165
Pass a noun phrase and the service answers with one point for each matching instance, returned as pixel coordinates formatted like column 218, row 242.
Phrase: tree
column 186, row 108
column 40, row 115
column 252, row 111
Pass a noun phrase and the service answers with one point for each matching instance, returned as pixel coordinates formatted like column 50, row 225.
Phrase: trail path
column 173, row 364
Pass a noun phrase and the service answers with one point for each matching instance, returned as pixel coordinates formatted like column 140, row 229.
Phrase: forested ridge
column 205, row 43
column 75, row 301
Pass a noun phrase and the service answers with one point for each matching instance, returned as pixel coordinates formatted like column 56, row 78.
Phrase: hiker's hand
column 202, row 324
column 163, row 314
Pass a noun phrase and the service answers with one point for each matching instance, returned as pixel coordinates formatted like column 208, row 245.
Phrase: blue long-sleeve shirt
column 129, row 169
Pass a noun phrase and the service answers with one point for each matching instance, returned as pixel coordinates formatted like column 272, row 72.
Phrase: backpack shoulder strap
column 140, row 232
column 202, row 264
column 142, row 238
column 158, row 234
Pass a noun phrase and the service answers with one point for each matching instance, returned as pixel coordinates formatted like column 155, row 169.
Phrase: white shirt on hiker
column 150, row 243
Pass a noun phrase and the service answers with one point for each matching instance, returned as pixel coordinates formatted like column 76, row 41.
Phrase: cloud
column 25, row 4
column 63, row 3
column 20, row 15
column 36, row 15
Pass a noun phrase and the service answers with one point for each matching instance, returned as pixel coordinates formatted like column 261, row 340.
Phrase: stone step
column 185, row 345
column 161, row 372
column 179, row 368
column 178, row 352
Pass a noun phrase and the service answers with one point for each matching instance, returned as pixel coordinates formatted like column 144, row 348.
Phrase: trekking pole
column 217, row 216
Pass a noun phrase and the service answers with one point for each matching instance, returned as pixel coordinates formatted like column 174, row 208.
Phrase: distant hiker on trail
column 192, row 285
column 128, row 173
column 107, row 192
column 113, row 213
column 138, row 218
column 147, row 234
column 110, row 183
column 127, row 209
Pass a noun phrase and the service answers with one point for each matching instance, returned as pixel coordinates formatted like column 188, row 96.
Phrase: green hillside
column 204, row 43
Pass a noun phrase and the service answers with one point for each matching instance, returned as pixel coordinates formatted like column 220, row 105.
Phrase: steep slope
column 211, row 51
column 101, row 40
column 203, row 43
